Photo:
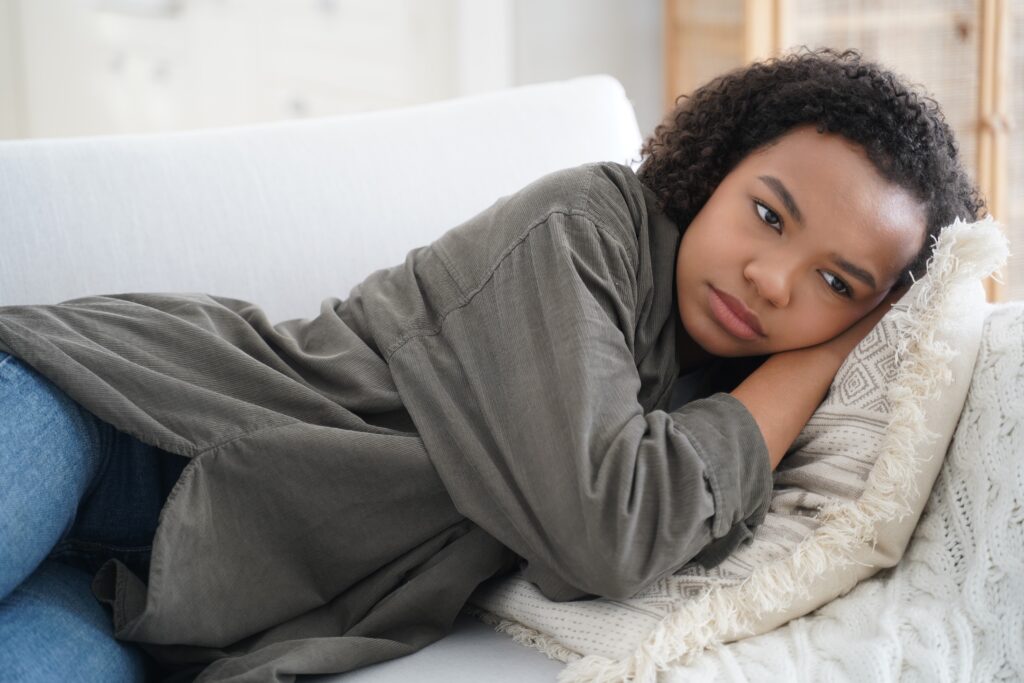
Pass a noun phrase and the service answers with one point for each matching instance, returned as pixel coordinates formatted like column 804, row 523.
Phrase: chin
column 715, row 343
column 738, row 353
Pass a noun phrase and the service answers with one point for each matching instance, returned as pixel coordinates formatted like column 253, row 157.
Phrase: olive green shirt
column 498, row 401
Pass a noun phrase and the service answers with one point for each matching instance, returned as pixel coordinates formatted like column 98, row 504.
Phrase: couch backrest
column 285, row 214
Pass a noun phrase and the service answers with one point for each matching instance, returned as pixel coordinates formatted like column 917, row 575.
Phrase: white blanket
column 953, row 608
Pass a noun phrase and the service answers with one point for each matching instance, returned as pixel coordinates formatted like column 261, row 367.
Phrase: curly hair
column 902, row 130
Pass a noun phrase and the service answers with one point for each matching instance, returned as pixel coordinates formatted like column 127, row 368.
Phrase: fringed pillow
column 846, row 497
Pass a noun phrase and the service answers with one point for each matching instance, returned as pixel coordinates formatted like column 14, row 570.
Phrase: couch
column 224, row 210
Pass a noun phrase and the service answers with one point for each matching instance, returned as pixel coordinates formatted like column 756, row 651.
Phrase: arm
column 526, row 398
column 788, row 387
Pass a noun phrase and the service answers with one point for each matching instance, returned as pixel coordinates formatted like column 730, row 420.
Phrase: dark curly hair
column 902, row 130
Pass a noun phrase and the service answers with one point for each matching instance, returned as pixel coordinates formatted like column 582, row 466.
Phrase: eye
column 775, row 222
column 843, row 290
column 768, row 216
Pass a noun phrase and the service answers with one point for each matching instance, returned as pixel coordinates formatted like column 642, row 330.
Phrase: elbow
column 621, row 587
column 620, row 578
column 623, row 590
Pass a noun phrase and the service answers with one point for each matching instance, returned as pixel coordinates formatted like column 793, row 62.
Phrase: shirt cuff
column 738, row 465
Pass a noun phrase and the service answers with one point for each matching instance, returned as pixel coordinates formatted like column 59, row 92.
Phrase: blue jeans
column 74, row 492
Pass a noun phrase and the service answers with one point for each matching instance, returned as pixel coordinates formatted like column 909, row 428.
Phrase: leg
column 50, row 453
column 76, row 492
column 53, row 629
column 75, row 489
column 119, row 516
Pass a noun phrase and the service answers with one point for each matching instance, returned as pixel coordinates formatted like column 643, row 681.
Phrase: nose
column 773, row 276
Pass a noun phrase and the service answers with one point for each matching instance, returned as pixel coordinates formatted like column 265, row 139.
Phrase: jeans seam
column 90, row 547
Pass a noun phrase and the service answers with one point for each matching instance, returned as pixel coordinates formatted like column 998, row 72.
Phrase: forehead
column 846, row 204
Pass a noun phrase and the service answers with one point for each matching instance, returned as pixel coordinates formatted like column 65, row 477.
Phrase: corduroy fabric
column 497, row 400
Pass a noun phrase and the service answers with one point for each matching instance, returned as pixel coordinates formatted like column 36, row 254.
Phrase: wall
column 86, row 67
column 555, row 40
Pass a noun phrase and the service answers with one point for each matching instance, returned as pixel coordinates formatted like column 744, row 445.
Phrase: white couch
column 224, row 211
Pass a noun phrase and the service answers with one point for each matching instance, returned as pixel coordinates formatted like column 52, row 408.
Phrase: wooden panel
column 992, row 120
column 702, row 40
column 768, row 28
column 760, row 37
column 1013, row 198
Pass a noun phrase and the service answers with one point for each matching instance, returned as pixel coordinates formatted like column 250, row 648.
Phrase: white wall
column 555, row 39
column 12, row 101
column 88, row 67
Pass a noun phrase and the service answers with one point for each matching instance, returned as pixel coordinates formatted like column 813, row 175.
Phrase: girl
column 259, row 501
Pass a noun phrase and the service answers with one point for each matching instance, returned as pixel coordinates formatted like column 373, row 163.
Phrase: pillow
column 951, row 609
column 845, row 501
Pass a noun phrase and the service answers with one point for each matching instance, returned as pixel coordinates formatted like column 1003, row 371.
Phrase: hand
column 843, row 344
column 787, row 388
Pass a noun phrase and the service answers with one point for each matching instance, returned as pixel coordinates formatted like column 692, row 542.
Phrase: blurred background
column 98, row 67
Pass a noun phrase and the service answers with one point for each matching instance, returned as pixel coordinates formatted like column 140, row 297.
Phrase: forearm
column 788, row 387
column 784, row 392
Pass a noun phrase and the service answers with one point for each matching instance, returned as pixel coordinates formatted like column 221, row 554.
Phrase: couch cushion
column 290, row 213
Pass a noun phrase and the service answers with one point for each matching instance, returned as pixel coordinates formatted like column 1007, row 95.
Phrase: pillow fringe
column 524, row 635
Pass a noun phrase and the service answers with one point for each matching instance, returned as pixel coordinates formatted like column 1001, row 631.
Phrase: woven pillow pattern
column 845, row 501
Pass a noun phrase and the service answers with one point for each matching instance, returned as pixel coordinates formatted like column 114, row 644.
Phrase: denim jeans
column 74, row 492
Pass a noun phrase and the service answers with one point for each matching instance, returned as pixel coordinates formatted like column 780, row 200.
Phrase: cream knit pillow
column 846, row 497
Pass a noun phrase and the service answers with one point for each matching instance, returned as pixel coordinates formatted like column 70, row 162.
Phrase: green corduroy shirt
column 497, row 402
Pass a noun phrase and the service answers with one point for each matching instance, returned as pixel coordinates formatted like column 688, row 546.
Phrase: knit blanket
column 953, row 608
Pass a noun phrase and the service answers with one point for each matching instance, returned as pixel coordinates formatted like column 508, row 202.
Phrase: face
column 804, row 234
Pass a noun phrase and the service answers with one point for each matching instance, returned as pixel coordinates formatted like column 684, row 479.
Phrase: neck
column 690, row 353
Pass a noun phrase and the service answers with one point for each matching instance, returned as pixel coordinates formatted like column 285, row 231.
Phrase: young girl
column 259, row 501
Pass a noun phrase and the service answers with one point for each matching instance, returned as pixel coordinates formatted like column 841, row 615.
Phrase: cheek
column 730, row 235
column 821, row 324
column 812, row 323
column 702, row 246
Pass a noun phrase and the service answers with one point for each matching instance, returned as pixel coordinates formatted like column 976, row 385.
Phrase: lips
column 741, row 311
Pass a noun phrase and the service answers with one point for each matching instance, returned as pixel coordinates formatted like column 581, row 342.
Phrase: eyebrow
column 859, row 273
column 779, row 189
column 786, row 198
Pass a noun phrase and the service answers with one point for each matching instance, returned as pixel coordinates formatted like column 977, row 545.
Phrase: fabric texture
column 951, row 610
column 846, row 497
column 355, row 476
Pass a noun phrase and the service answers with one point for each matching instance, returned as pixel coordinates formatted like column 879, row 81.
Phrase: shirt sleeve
column 526, row 400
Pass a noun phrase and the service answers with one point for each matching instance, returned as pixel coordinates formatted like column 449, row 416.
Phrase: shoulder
column 568, row 207
column 606, row 192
